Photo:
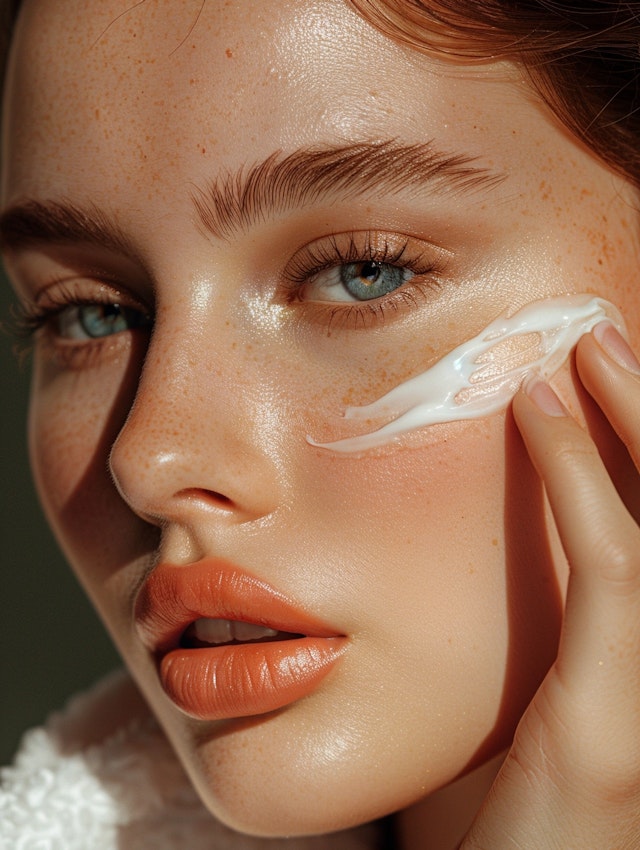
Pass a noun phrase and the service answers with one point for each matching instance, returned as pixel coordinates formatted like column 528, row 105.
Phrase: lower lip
column 241, row 680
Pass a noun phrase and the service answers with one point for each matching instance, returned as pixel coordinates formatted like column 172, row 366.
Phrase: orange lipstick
column 233, row 678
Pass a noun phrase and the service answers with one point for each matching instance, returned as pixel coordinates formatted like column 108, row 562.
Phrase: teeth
column 213, row 631
column 223, row 631
column 248, row 631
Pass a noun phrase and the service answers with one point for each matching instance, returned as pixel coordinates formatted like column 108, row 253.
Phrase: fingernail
column 544, row 397
column 616, row 346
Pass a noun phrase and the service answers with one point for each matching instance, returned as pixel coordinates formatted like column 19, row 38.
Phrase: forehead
column 177, row 85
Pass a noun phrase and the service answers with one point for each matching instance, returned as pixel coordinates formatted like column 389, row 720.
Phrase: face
column 233, row 224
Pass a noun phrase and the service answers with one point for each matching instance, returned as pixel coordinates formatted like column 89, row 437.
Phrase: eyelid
column 68, row 290
column 418, row 255
column 38, row 271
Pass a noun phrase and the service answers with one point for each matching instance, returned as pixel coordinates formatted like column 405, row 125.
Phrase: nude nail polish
column 616, row 347
column 544, row 397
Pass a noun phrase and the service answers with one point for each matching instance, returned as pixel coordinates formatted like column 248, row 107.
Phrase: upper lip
column 173, row 597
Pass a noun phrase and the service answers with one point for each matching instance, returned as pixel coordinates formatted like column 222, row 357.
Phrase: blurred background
column 51, row 643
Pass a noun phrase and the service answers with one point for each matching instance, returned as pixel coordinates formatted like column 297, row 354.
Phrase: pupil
column 370, row 271
column 102, row 319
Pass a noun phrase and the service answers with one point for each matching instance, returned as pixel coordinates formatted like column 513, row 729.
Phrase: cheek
column 73, row 421
column 444, row 547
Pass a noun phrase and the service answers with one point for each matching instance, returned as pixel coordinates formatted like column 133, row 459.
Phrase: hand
column 571, row 780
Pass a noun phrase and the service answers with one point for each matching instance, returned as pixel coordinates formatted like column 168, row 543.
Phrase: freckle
column 229, row 53
column 494, row 541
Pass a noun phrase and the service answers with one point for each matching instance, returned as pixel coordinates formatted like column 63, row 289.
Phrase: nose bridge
column 192, row 439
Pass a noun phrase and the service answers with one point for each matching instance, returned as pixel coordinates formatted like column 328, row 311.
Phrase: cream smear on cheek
column 481, row 376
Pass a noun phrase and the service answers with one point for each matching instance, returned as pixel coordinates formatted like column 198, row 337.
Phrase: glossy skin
column 432, row 556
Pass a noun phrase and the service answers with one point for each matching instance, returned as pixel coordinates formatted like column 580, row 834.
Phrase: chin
column 274, row 777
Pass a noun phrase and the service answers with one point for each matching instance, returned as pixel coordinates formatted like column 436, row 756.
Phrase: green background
column 51, row 643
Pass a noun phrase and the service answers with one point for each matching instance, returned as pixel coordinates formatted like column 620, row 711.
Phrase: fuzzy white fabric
column 126, row 793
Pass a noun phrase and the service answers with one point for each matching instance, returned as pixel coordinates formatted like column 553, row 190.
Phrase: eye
column 359, row 278
column 94, row 321
column 71, row 318
column 361, row 281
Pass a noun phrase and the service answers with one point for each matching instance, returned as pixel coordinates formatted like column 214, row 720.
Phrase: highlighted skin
column 481, row 376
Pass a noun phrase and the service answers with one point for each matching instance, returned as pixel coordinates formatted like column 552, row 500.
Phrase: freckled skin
column 432, row 556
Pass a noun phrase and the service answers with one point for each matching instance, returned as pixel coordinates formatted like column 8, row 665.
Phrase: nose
column 195, row 447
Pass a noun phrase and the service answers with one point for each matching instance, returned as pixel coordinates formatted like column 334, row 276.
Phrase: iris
column 371, row 279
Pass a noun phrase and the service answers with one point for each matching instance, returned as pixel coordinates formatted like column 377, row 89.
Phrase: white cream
column 482, row 375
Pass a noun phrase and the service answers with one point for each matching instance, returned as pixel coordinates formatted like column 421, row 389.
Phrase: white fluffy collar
column 126, row 793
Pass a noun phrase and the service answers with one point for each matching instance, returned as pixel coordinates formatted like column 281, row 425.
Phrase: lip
column 238, row 680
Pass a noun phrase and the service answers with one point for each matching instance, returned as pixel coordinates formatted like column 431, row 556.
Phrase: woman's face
column 213, row 165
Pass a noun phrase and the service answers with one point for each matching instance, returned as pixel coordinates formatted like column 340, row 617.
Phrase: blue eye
column 372, row 279
column 362, row 281
column 357, row 276
column 93, row 321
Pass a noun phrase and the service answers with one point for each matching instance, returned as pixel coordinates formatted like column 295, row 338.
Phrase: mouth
column 227, row 644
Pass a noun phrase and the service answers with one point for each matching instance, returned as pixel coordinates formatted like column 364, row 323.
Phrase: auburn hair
column 583, row 58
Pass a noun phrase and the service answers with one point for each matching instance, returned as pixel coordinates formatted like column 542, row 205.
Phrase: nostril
column 206, row 498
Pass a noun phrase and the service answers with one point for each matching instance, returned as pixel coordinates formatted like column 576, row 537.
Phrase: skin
column 437, row 557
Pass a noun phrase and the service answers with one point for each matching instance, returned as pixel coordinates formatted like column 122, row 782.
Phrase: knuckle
column 571, row 451
column 619, row 564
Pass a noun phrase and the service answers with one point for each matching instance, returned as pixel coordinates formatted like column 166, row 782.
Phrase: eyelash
column 344, row 249
column 31, row 320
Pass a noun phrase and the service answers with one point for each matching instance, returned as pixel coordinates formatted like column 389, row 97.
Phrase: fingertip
column 616, row 347
column 543, row 396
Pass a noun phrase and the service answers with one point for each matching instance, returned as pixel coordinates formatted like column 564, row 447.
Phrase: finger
column 601, row 632
column 585, row 729
column 610, row 372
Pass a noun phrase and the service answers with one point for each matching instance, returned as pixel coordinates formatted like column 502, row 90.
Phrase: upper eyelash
column 28, row 319
column 24, row 323
column 329, row 253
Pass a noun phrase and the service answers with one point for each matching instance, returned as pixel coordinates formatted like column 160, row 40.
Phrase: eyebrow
column 235, row 201
column 58, row 222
